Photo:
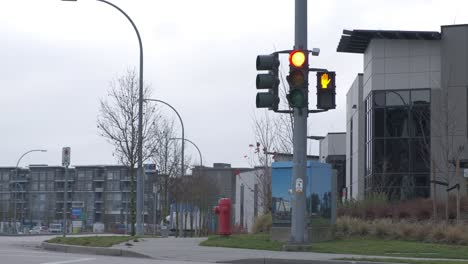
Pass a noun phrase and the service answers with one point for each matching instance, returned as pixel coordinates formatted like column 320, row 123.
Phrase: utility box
column 320, row 188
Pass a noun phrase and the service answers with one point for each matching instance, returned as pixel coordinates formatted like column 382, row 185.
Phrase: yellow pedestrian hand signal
column 325, row 80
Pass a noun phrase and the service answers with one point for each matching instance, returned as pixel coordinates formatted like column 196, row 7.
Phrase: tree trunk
column 457, row 171
column 434, row 196
column 177, row 220
column 191, row 221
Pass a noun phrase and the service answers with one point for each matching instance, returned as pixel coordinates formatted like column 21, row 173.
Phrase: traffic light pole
column 299, row 234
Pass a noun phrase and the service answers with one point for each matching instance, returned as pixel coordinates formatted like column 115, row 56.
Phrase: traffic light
column 326, row 90
column 268, row 80
column 298, row 79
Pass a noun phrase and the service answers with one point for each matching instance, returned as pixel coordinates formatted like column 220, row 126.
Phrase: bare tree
column 118, row 123
column 445, row 136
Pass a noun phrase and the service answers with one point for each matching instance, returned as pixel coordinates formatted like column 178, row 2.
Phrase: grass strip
column 91, row 241
column 394, row 248
column 405, row 261
column 254, row 241
column 358, row 246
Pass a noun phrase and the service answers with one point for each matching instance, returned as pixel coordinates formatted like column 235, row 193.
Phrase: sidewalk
column 187, row 249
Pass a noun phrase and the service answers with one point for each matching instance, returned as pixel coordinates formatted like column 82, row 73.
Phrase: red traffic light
column 297, row 58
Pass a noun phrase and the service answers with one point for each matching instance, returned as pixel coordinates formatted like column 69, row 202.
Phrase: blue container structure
column 319, row 193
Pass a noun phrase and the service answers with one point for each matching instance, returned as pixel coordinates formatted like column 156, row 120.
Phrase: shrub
column 419, row 231
column 382, row 228
column 437, row 233
column 262, row 224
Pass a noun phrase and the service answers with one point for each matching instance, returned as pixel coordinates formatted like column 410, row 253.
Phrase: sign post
column 65, row 163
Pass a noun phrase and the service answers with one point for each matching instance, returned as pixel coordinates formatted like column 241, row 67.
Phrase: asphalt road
column 24, row 250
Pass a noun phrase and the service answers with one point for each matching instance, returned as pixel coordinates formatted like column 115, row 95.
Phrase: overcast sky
column 57, row 59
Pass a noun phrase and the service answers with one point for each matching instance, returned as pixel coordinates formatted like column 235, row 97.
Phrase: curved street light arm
column 199, row 152
column 181, row 123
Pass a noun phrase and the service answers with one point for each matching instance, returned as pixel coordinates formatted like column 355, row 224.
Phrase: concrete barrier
column 92, row 250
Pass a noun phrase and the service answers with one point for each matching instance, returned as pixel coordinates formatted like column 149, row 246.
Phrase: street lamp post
column 140, row 183
column 199, row 152
column 16, row 177
column 182, row 125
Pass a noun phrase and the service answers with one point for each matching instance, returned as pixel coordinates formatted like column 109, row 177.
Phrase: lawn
column 395, row 248
column 91, row 241
column 358, row 246
column 256, row 241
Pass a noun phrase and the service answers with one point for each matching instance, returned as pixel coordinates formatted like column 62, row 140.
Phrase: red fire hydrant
column 223, row 210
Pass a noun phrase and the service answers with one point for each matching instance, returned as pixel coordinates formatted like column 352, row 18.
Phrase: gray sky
column 57, row 59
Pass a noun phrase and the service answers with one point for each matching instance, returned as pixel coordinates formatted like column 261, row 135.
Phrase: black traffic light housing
column 268, row 81
column 298, row 79
column 326, row 90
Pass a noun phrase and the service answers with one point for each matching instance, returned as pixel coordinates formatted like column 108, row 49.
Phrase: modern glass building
column 407, row 113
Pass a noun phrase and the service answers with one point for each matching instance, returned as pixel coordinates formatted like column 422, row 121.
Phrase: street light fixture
column 140, row 183
column 199, row 152
column 182, row 125
column 16, row 185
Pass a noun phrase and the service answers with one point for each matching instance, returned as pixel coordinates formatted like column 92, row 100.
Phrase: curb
column 92, row 250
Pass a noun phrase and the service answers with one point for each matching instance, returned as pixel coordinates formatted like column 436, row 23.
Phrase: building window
column 398, row 143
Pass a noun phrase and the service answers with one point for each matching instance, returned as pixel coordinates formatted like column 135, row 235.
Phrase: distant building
column 97, row 193
column 250, row 196
column 333, row 151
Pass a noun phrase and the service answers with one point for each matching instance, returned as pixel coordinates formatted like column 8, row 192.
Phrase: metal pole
column 65, row 202
column 182, row 125
column 298, row 226
column 199, row 152
column 140, row 174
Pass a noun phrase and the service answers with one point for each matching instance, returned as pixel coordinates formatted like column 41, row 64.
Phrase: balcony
column 99, row 189
column 98, row 179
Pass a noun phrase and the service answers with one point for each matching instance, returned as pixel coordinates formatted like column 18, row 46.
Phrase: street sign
column 299, row 185
column 66, row 156
column 76, row 213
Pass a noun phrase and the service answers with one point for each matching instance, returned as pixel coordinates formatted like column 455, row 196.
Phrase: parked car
column 38, row 230
column 55, row 228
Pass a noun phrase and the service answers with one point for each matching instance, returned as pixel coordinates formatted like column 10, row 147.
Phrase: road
column 24, row 250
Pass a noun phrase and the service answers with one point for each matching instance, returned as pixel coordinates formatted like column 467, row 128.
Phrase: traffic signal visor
column 297, row 58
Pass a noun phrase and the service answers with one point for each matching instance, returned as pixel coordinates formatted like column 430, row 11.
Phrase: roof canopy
column 356, row 41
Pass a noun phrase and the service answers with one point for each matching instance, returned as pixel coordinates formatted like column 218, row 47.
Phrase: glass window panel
column 379, row 119
column 395, row 98
column 422, row 180
column 396, row 155
column 421, row 117
column 378, row 155
column 379, row 99
column 422, row 192
column 43, row 176
column 396, row 122
column 420, row 155
column 420, row 97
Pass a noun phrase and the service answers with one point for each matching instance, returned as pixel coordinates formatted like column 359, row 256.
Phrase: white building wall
column 355, row 145
column 401, row 64
column 248, row 180
column 332, row 144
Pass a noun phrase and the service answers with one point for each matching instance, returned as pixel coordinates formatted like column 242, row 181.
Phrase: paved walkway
column 187, row 249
